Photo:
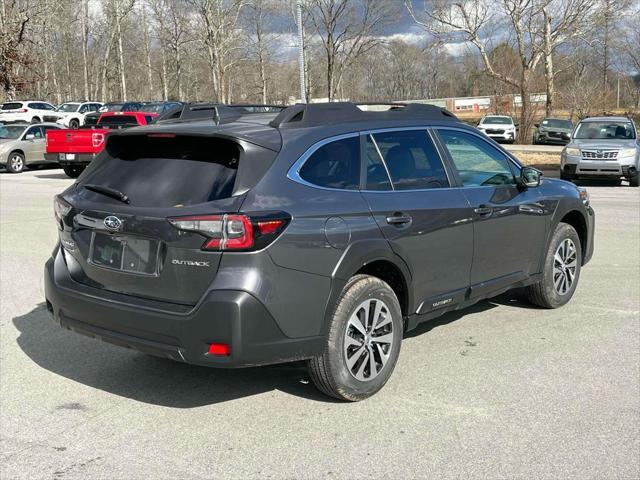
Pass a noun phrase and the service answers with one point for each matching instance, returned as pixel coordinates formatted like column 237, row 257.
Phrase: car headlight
column 584, row 196
column 627, row 152
column 572, row 151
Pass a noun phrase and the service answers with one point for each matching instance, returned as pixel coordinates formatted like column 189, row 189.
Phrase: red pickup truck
column 74, row 149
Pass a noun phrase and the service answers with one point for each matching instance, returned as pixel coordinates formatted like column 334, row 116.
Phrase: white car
column 29, row 111
column 499, row 127
column 72, row 114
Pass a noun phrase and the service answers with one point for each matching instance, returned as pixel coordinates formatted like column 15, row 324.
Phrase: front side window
column 478, row 163
column 334, row 165
column 35, row 131
column 410, row 158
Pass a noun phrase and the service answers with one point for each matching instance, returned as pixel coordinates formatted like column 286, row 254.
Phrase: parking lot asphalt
column 500, row 390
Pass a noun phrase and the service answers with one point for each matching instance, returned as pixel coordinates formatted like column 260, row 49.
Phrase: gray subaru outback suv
column 602, row 147
column 321, row 234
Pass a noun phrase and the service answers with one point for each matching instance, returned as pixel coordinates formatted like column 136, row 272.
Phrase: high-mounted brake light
column 231, row 231
column 97, row 139
column 161, row 135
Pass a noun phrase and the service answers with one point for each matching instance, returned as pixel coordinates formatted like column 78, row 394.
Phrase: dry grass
column 546, row 161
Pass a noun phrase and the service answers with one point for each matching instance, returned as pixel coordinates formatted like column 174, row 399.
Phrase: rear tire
column 73, row 171
column 561, row 270
column 359, row 357
column 15, row 162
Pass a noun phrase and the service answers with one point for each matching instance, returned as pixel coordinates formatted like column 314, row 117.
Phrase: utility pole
column 303, row 83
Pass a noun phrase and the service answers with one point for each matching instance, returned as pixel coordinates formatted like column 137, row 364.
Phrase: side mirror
column 29, row 136
column 529, row 177
column 535, row 125
column 517, row 125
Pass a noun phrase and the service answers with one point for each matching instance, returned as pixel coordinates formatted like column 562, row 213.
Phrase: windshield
column 68, row 107
column 11, row 131
column 555, row 123
column 158, row 107
column 111, row 107
column 605, row 131
column 498, row 120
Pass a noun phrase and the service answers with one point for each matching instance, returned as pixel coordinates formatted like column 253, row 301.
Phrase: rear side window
column 11, row 106
column 411, row 160
column 334, row 165
column 167, row 172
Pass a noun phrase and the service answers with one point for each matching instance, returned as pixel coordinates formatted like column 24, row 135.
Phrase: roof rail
column 314, row 114
column 220, row 113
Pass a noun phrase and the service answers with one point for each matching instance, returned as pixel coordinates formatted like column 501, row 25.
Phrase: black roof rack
column 220, row 113
column 314, row 114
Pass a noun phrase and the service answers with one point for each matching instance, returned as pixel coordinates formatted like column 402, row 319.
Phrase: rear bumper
column 78, row 158
column 181, row 333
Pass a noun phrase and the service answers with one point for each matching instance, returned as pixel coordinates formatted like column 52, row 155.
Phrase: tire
column 73, row 171
column 566, row 176
column 15, row 162
column 535, row 140
column 74, row 124
column 633, row 181
column 561, row 262
column 35, row 120
column 346, row 343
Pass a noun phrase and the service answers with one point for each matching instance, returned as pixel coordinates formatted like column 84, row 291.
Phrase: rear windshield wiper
column 110, row 192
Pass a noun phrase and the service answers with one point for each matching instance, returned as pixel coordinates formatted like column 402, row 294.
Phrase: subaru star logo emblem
column 599, row 152
column 112, row 223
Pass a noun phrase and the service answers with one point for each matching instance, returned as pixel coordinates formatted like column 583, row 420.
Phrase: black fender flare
column 356, row 256
column 565, row 206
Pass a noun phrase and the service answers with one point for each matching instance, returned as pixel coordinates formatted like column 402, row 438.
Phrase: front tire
column 35, row 120
column 633, row 181
column 561, row 271
column 73, row 171
column 74, row 124
column 15, row 162
column 363, row 341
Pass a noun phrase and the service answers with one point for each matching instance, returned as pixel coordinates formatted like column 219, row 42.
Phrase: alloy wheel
column 565, row 264
column 16, row 163
column 368, row 340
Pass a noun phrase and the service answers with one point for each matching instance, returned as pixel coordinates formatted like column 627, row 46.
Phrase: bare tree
column 347, row 30
column 260, row 13
column 221, row 37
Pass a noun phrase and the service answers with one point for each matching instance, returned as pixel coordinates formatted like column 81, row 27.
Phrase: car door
column 34, row 144
column 509, row 221
column 426, row 221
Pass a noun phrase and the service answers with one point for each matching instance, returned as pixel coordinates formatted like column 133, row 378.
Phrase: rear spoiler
column 220, row 113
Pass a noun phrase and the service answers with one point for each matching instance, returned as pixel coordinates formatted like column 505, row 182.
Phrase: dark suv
column 321, row 234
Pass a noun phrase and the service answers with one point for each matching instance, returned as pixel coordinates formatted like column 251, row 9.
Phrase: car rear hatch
column 75, row 141
column 133, row 245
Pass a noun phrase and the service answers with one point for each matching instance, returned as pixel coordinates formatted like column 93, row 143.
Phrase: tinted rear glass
column 11, row 106
column 334, row 165
column 165, row 172
column 119, row 120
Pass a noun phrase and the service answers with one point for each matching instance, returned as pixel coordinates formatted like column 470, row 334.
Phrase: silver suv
column 602, row 147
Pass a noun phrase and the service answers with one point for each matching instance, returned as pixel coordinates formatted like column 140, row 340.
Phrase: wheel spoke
column 376, row 315
column 360, row 372
column 386, row 338
column 351, row 361
column 356, row 323
column 352, row 342
column 383, row 356
column 373, row 370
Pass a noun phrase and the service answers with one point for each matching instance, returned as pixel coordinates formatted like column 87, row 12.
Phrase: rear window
column 119, row 120
column 11, row 106
column 167, row 172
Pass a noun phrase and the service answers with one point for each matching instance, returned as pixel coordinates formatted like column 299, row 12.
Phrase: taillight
column 232, row 231
column 97, row 139
column 60, row 210
column 23, row 110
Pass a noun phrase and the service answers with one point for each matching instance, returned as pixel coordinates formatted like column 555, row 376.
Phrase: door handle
column 398, row 219
column 483, row 210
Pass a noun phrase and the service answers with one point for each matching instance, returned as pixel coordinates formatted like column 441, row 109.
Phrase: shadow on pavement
column 148, row 379
column 58, row 176
column 163, row 382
